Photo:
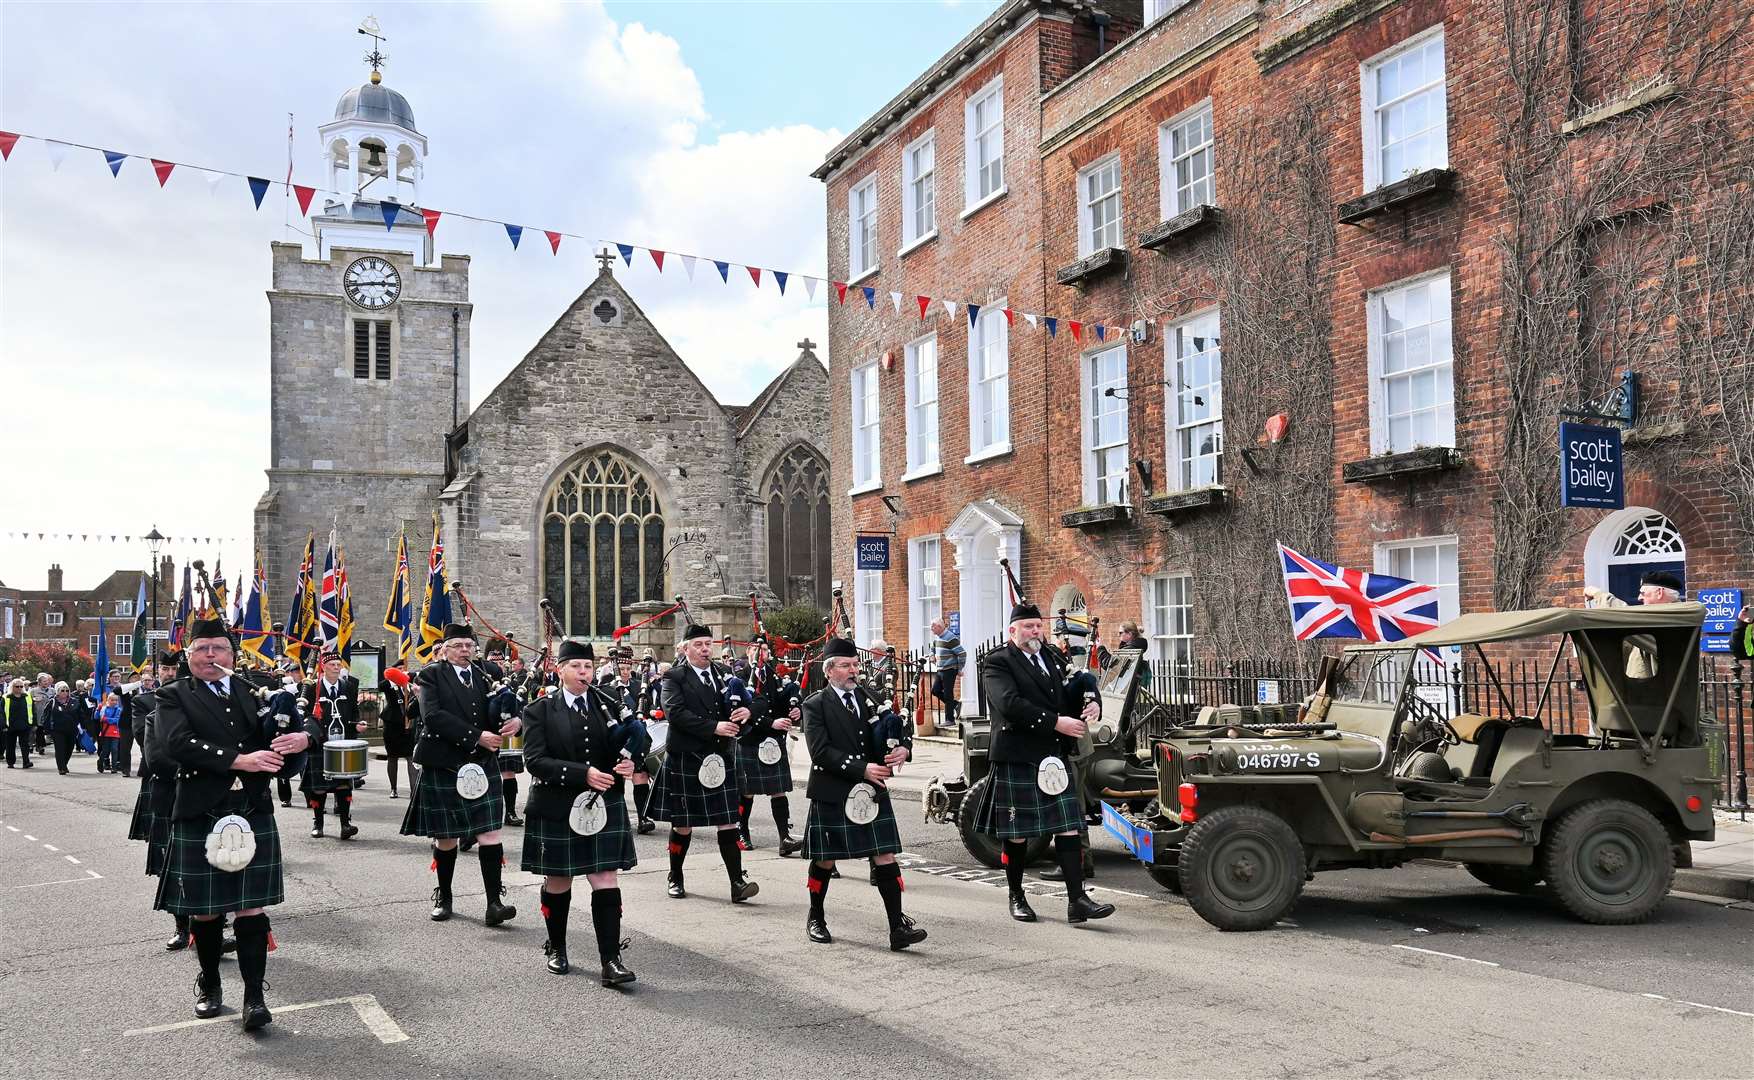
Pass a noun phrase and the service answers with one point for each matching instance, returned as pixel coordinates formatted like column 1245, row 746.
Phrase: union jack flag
column 329, row 602
column 1329, row 601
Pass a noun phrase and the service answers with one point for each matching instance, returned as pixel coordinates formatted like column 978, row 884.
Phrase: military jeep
column 1378, row 776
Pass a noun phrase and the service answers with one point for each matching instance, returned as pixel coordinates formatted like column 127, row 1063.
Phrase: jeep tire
column 983, row 847
column 1242, row 868
column 1170, row 877
column 1609, row 862
column 1510, row 879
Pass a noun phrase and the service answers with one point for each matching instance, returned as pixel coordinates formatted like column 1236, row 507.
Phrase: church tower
column 368, row 360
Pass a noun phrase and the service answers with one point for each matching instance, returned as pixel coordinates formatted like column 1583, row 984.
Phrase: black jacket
column 452, row 716
column 63, row 718
column 559, row 745
column 840, row 743
column 202, row 735
column 340, row 712
column 694, row 711
column 1024, row 706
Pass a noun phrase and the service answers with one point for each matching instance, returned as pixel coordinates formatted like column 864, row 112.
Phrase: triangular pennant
column 724, row 269
column 688, row 266
column 7, row 141
column 1098, row 329
column 553, row 241
column 213, row 180
column 754, row 275
column 432, row 220
column 1077, row 328
column 626, row 254
column 390, row 210
column 840, row 288
column 950, row 307
column 1009, row 321
column 895, row 298
column 870, row 296
column 163, row 169
column 924, row 302
column 57, row 153
column 1052, row 324
column 810, row 287
column 514, row 233
column 258, row 189
column 1028, row 318
column 657, row 258
column 115, row 160
column 779, row 277
column 303, row 194
column 974, row 312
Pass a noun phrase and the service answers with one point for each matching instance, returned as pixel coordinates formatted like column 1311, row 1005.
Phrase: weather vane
column 375, row 58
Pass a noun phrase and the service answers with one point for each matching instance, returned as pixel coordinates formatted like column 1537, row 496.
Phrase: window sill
column 1097, row 264
column 914, row 245
column 1411, row 189
column 1193, row 500
column 922, row 472
column 869, row 273
column 984, row 203
column 1637, row 99
column 1426, row 459
column 1186, row 224
column 998, row 450
column 866, row 489
column 1096, row 517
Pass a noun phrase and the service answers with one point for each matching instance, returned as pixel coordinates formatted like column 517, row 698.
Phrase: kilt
column 436, row 810
column 1015, row 807
column 152, row 820
column 754, row 778
column 679, row 798
column 829, row 835
column 313, row 782
column 190, row 886
column 551, row 847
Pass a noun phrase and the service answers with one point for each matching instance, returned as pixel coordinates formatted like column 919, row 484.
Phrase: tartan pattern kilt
column 551, row 847
column 1016, row 807
column 754, row 778
column 151, row 821
column 679, row 798
column 829, row 835
column 436, row 810
column 191, row 886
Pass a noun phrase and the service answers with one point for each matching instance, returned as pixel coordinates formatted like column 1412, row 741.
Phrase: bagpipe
column 282, row 711
column 1079, row 687
column 889, row 729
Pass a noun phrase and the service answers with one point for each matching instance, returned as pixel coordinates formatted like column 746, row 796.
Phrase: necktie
column 848, row 699
column 218, row 688
column 1041, row 666
column 465, row 674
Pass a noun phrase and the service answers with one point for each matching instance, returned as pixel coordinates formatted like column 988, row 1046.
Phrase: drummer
column 331, row 715
column 577, row 820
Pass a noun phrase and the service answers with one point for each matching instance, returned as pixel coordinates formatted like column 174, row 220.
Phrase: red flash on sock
column 675, row 848
column 433, row 865
column 899, row 884
column 818, row 885
column 272, row 944
column 545, row 911
column 1004, row 858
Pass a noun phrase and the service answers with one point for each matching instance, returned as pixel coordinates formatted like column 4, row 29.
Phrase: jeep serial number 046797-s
column 1277, row 757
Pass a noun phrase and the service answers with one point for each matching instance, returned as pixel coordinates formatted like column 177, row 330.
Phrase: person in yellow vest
column 18, row 716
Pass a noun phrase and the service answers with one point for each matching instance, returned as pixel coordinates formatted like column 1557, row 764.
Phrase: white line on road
column 50, row 847
column 1445, row 955
column 63, row 881
column 71, row 859
column 1698, row 1005
column 95, row 875
column 31, row 838
column 12, row 828
column 376, row 1020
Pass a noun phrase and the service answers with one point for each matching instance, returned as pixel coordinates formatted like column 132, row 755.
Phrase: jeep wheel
column 1511, row 879
column 1609, row 862
column 1170, row 877
column 1242, row 868
column 983, row 847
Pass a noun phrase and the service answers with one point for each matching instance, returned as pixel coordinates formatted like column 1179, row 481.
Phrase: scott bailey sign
column 1591, row 472
column 1721, row 606
column 871, row 553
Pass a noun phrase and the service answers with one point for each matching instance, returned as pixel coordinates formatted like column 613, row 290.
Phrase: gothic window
column 798, row 528
column 602, row 544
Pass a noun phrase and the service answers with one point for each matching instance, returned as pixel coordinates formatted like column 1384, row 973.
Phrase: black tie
column 464, row 675
column 848, row 698
column 1041, row 665
column 218, row 689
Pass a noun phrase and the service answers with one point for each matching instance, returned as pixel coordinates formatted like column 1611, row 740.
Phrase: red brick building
column 71, row 616
column 1413, row 231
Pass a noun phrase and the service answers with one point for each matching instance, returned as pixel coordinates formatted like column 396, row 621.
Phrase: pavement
column 1421, row 972
column 1723, row 867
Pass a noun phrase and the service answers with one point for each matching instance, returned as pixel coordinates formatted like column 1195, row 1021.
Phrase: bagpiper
column 158, row 792
column 764, row 760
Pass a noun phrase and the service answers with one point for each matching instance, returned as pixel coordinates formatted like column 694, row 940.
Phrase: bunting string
column 93, row 536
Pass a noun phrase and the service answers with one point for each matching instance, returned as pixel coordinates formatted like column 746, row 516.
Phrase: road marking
column 31, row 838
column 71, row 859
column 11, row 828
column 1699, row 1005
column 1445, row 955
column 95, row 876
column 50, row 847
column 63, row 881
column 379, row 1022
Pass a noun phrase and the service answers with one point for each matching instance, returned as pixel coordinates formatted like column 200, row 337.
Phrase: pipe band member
column 331, row 712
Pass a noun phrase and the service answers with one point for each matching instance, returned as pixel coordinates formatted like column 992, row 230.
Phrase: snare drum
column 659, row 730
column 345, row 759
column 511, row 754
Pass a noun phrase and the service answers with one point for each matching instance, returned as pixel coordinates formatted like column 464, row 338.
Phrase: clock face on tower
column 372, row 283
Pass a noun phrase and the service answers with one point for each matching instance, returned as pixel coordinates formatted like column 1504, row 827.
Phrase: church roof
column 744, row 417
column 378, row 104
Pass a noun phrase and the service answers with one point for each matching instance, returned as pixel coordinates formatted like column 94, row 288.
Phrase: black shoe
column 1020, row 909
column 557, row 961
column 816, row 929
column 178, row 942
column 125, row 773
column 29, row 765
column 512, row 818
column 1081, row 908
column 789, row 845
column 742, row 889
column 286, row 802
column 441, row 906
column 615, row 973
column 467, row 843
column 900, row 937
column 1053, row 873
column 209, row 1001
column 498, row 912
column 63, row 772
column 316, row 831
column 833, row 873
column 349, row 830
column 228, row 944
column 646, row 825
column 675, row 890
column 256, row 1016
column 393, row 794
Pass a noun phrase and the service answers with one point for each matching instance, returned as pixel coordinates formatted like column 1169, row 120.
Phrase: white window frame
column 862, row 229
column 973, row 198
column 93, row 650
column 924, row 447
column 1175, row 421
column 1449, row 593
column 1372, row 108
column 990, row 337
column 867, row 607
column 124, row 609
column 1169, row 647
column 913, row 187
column 1091, row 236
column 1157, row 9
column 124, row 644
column 925, row 588
column 1170, row 196
column 867, row 429
column 1103, row 488
column 1381, row 441
column 53, row 618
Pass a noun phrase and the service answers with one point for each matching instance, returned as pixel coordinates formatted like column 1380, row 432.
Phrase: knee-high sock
column 252, row 932
column 1012, row 856
column 782, row 814
column 606, row 920
column 511, row 795
column 209, row 943
column 492, row 857
column 1069, row 853
column 732, row 854
column 316, row 803
column 554, row 910
column 818, row 885
column 640, row 792
column 888, row 877
column 344, row 806
column 745, row 807
column 444, row 860
column 678, row 851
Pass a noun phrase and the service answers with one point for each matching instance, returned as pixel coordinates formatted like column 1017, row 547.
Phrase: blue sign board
column 1591, row 470
column 953, row 624
column 1721, row 606
column 871, row 553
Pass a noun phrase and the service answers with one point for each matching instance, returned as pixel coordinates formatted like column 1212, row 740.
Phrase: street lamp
column 153, row 540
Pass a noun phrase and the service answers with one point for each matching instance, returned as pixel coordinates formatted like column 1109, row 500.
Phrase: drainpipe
column 456, row 368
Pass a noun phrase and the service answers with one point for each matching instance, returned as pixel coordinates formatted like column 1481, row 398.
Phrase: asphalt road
column 1418, row 972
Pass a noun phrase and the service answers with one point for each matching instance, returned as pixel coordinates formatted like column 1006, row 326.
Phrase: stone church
column 600, row 474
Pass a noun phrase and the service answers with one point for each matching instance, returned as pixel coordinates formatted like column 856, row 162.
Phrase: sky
column 134, row 320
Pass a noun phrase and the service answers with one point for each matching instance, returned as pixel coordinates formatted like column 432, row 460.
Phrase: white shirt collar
column 460, row 669
column 224, row 681
column 572, row 699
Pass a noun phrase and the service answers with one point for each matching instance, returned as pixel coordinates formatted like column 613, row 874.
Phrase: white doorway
column 1629, row 543
column 983, row 533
